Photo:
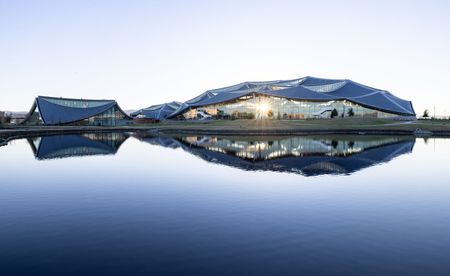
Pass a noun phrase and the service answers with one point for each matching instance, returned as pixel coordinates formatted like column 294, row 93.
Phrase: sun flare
column 263, row 107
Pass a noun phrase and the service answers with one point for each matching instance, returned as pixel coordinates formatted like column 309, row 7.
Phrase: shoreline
column 418, row 128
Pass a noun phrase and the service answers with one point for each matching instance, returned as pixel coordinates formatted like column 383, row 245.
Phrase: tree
column 334, row 113
column 5, row 118
column 334, row 144
column 350, row 112
column 426, row 114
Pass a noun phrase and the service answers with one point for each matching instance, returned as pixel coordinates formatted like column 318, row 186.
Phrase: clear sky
column 148, row 52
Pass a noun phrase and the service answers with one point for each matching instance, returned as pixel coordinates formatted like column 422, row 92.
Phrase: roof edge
column 75, row 99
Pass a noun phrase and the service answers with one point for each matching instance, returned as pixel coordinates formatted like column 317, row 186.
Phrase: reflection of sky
column 149, row 52
column 154, row 206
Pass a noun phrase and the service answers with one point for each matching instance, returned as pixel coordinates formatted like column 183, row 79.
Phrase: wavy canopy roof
column 55, row 111
column 307, row 88
column 159, row 112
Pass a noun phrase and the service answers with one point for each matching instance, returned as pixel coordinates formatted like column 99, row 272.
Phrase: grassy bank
column 260, row 127
column 346, row 125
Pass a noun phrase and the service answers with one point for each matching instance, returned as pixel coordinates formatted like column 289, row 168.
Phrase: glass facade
column 59, row 111
column 77, row 103
column 268, row 107
column 110, row 117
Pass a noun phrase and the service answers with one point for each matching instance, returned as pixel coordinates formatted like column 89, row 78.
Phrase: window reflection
column 62, row 146
column 308, row 155
column 269, row 107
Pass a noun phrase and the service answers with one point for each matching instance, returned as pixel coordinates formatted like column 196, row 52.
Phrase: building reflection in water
column 307, row 155
column 72, row 145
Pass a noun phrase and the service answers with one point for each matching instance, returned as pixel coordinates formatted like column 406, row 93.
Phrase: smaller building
column 16, row 117
column 64, row 111
column 157, row 112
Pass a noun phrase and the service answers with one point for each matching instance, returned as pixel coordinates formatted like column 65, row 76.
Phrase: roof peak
column 75, row 99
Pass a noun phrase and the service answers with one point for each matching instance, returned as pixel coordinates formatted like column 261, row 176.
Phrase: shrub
column 5, row 118
column 334, row 144
column 334, row 113
column 350, row 112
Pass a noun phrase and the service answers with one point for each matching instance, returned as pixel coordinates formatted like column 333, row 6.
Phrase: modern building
column 302, row 98
column 12, row 117
column 63, row 111
column 157, row 112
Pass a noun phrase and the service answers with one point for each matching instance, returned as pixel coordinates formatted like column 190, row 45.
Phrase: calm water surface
column 136, row 204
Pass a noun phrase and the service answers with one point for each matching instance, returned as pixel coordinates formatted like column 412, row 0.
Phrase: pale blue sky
column 148, row 52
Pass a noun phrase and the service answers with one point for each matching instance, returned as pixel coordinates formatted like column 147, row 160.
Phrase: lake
column 140, row 204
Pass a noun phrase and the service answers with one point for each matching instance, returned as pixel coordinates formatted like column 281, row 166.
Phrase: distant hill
column 16, row 114
column 129, row 111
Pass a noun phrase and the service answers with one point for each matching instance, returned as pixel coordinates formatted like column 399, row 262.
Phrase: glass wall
column 110, row 117
column 268, row 107
column 77, row 103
